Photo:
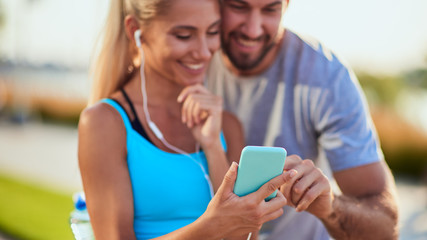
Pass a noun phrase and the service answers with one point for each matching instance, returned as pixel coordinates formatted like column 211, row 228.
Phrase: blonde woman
column 154, row 144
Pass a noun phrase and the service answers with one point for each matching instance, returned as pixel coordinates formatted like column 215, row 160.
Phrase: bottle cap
column 79, row 201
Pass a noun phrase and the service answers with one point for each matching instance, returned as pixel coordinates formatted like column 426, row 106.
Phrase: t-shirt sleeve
column 344, row 127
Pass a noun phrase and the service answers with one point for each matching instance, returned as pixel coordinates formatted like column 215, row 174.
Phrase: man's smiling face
column 249, row 30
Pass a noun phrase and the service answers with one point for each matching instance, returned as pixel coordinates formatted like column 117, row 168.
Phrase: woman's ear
column 131, row 26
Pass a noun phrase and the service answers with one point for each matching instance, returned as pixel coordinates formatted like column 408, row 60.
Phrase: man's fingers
column 303, row 185
column 286, row 188
column 292, row 161
column 315, row 191
column 302, row 180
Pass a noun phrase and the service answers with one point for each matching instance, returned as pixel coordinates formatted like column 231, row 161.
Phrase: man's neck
column 266, row 62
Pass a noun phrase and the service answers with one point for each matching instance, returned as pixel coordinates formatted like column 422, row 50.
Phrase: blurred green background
column 45, row 49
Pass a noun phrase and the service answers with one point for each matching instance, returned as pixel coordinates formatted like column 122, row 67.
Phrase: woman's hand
column 202, row 112
column 234, row 216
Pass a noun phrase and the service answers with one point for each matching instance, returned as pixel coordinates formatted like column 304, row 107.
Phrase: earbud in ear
column 137, row 36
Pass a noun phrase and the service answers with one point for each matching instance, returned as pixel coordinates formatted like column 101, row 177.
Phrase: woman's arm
column 234, row 136
column 202, row 112
column 218, row 160
column 104, row 171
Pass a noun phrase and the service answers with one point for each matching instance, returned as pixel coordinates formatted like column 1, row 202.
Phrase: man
column 295, row 93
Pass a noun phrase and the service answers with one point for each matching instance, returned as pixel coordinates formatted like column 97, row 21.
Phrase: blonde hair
column 113, row 63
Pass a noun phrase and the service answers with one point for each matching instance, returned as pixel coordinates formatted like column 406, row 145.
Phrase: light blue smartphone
column 257, row 166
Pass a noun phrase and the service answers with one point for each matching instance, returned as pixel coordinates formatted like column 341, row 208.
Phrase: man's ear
column 285, row 6
column 131, row 25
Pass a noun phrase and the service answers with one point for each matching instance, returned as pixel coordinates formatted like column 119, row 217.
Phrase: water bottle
column 79, row 219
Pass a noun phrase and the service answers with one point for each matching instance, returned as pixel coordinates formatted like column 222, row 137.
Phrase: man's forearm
column 371, row 217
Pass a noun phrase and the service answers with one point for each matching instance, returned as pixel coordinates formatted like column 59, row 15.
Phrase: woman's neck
column 160, row 91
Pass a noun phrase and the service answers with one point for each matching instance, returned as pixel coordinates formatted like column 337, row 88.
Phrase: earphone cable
column 158, row 133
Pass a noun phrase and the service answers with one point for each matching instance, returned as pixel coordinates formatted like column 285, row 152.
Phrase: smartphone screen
column 257, row 166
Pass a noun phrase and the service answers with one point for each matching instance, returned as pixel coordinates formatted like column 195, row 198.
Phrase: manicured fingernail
column 293, row 173
column 179, row 99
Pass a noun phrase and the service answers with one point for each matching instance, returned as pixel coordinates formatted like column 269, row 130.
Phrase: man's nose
column 252, row 28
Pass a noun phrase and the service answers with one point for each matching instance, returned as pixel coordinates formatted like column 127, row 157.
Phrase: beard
column 243, row 61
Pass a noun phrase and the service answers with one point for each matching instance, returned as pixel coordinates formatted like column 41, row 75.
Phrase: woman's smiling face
column 179, row 45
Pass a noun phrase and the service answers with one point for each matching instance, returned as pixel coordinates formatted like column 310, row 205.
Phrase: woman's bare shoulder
column 99, row 114
column 101, row 119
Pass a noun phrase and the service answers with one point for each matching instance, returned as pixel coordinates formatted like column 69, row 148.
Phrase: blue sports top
column 169, row 189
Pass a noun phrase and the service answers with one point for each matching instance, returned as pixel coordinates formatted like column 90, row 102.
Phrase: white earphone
column 152, row 125
column 137, row 36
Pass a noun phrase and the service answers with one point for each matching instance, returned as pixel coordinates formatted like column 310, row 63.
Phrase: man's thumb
column 227, row 184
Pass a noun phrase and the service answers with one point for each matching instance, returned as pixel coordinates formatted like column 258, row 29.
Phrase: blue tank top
column 169, row 189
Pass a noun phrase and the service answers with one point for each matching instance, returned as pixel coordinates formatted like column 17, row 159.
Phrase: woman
column 144, row 181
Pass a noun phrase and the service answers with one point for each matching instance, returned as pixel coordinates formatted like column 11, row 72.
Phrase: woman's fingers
column 190, row 106
column 185, row 98
column 191, row 89
column 274, row 204
column 273, row 215
column 198, row 107
column 252, row 211
column 274, row 184
column 227, row 185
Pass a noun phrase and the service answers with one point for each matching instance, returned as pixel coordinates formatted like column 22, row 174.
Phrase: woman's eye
column 183, row 36
column 213, row 32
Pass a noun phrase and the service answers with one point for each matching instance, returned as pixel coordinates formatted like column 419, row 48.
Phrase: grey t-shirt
column 311, row 104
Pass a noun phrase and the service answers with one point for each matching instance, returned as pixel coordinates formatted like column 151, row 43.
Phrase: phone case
column 257, row 166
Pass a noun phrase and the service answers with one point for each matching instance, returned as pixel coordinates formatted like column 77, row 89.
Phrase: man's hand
column 367, row 208
column 309, row 190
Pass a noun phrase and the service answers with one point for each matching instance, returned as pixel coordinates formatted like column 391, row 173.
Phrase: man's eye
column 271, row 10
column 237, row 7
